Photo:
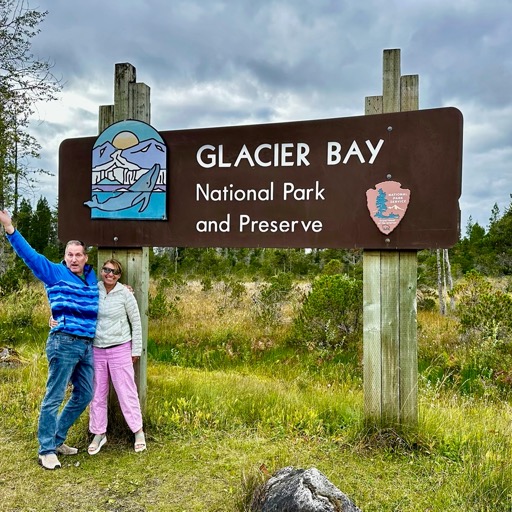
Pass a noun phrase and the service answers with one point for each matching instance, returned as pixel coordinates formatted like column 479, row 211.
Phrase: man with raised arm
column 72, row 291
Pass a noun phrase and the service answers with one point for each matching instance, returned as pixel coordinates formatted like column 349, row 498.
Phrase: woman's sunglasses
column 107, row 270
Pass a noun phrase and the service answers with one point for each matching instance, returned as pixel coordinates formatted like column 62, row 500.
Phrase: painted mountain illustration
column 142, row 154
column 129, row 173
column 117, row 169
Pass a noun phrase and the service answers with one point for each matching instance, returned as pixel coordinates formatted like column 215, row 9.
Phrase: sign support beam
column 131, row 101
column 389, row 293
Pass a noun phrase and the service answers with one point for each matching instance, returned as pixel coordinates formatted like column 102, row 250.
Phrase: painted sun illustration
column 125, row 140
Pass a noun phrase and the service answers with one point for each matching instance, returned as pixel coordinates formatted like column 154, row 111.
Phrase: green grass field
column 229, row 397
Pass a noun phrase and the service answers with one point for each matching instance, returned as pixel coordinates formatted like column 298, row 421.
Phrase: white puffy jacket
column 118, row 319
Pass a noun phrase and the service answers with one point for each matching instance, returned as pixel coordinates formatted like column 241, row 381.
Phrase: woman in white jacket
column 117, row 345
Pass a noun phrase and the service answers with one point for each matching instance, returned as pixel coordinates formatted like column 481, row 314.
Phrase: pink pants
column 116, row 363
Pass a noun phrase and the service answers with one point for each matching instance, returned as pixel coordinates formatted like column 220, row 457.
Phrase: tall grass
column 192, row 400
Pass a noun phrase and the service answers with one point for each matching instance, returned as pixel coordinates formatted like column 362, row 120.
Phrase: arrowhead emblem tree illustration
column 387, row 204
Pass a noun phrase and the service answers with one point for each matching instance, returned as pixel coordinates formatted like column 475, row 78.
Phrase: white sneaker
column 64, row 449
column 49, row 461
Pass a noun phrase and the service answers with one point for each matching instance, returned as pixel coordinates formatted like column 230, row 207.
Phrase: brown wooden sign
column 388, row 181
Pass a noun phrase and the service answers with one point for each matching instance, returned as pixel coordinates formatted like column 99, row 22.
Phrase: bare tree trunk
column 442, row 306
column 16, row 173
column 449, row 275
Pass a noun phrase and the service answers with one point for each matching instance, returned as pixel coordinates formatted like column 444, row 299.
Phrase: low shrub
column 270, row 297
column 331, row 313
column 482, row 309
column 232, row 291
column 163, row 304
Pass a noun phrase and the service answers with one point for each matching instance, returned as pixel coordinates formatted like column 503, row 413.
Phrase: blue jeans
column 70, row 360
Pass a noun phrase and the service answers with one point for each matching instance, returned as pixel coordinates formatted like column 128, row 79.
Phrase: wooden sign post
column 131, row 101
column 389, row 292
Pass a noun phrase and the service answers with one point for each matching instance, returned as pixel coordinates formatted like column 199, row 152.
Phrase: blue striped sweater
column 73, row 301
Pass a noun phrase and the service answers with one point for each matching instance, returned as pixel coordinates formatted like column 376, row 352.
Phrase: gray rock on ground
column 300, row 490
column 9, row 358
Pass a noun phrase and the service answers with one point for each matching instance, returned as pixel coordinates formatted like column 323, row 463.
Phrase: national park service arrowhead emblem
column 387, row 204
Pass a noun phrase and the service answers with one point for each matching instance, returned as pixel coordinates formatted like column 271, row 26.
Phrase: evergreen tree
column 495, row 215
column 24, row 220
column 499, row 244
column 467, row 254
column 41, row 227
column 489, row 253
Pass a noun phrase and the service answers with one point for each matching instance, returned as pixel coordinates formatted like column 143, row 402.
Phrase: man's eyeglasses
column 107, row 270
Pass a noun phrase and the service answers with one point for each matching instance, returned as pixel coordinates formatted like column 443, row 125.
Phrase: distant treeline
column 485, row 250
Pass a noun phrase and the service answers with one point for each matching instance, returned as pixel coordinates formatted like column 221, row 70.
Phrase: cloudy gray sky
column 213, row 63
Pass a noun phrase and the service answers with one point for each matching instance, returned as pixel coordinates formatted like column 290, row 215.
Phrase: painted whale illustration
column 137, row 194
